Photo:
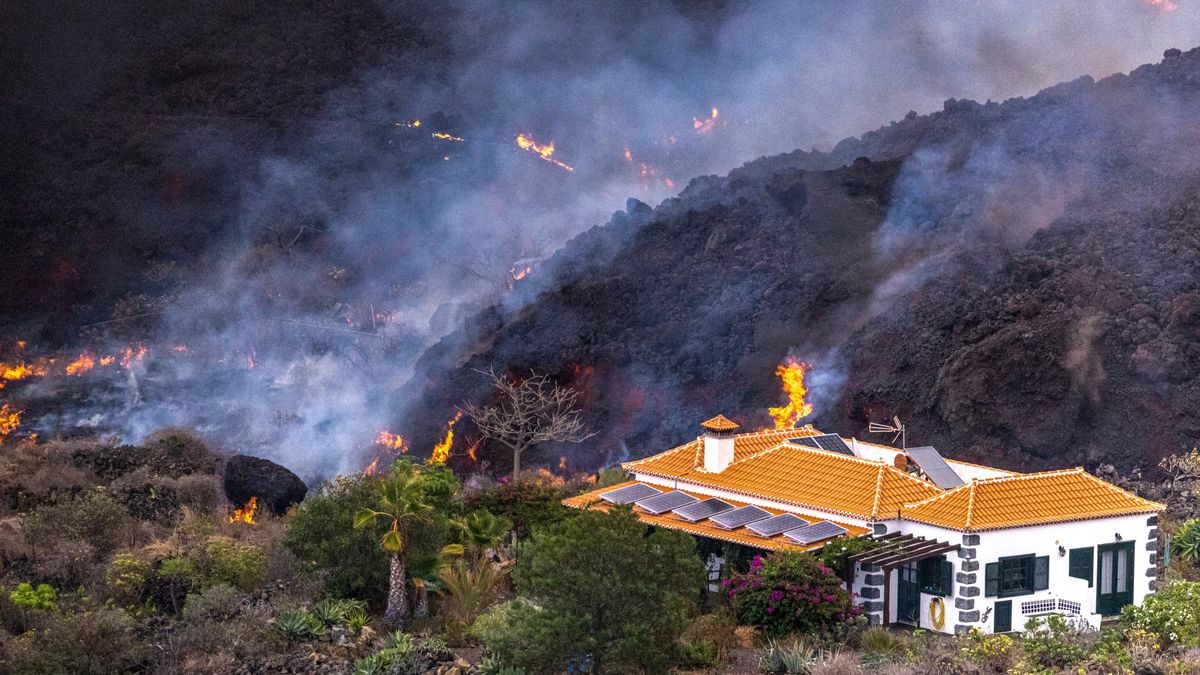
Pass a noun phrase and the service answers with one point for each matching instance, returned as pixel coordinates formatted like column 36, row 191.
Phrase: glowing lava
column 706, row 125
column 246, row 513
column 546, row 152
column 10, row 419
column 441, row 451
column 133, row 355
column 791, row 376
column 81, row 365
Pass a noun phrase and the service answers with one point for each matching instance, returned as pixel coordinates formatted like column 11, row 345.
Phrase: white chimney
column 718, row 443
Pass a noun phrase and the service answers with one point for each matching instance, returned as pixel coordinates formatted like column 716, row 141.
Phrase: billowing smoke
column 354, row 239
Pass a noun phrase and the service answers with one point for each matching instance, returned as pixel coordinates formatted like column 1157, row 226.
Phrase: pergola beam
column 889, row 545
column 913, row 555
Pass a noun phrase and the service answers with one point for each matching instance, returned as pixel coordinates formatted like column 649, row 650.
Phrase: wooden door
column 1114, row 577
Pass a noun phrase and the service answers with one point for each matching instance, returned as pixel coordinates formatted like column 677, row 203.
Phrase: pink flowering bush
column 788, row 592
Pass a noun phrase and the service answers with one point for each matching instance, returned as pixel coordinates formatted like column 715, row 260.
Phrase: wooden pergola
column 894, row 550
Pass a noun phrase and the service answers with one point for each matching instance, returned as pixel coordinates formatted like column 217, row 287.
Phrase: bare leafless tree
column 528, row 412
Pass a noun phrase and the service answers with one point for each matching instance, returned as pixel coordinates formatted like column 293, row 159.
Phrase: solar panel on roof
column 629, row 493
column 702, row 510
column 666, row 501
column 776, row 524
column 932, row 464
column 810, row 534
column 738, row 517
column 830, row 442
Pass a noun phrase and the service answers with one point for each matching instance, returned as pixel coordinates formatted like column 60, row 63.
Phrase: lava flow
column 246, row 513
column 791, row 375
column 546, row 152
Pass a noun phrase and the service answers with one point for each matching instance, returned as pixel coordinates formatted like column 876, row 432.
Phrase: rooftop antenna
column 896, row 427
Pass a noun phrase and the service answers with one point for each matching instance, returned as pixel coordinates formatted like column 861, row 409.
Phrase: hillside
column 1016, row 280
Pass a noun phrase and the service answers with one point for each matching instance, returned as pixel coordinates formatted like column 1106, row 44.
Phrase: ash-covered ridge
column 1018, row 281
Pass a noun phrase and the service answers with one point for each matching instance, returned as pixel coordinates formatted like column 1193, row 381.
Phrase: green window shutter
column 1080, row 564
column 947, row 580
column 991, row 579
column 1041, row 573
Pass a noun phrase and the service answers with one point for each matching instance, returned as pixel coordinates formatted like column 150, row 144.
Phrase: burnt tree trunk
column 397, row 603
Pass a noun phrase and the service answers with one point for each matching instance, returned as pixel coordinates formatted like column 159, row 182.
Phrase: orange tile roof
column 801, row 476
column 683, row 459
column 720, row 423
column 591, row 500
column 1028, row 499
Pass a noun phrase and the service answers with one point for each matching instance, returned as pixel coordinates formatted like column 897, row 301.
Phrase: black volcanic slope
column 1019, row 281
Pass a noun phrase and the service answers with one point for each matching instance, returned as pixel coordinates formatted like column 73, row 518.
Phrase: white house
column 959, row 545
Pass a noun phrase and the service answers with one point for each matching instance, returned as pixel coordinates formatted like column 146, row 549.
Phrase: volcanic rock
column 276, row 487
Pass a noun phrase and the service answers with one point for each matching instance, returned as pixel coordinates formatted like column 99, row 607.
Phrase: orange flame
column 370, row 470
column 179, row 348
column 441, row 451
column 133, row 355
column 473, row 451
column 20, row 371
column 391, row 441
column 704, row 126
column 562, row 462
column 519, row 273
column 107, row 360
column 546, row 152
column 441, row 136
column 81, row 365
column 791, row 375
column 1164, row 5
column 246, row 513
column 10, row 419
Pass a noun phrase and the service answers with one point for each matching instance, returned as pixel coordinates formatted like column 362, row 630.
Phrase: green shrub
column 94, row 517
column 357, row 620
column 219, row 602
column 126, row 577
column 492, row 666
column 331, row 612
column 991, row 653
column 835, row 555
column 1054, row 643
column 399, row 642
column 1186, row 542
column 709, row 640
column 238, row 564
column 99, row 642
column 1173, row 614
column 42, row 597
column 299, row 624
column 880, row 645
column 790, row 591
column 527, row 503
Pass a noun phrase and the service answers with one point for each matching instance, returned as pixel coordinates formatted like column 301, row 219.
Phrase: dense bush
column 94, row 517
column 790, row 591
column 596, row 589
column 219, row 602
column 709, row 640
column 100, row 642
column 528, row 503
column 1173, row 614
column 321, row 534
column 241, row 565
column 1054, row 644
column 126, row 577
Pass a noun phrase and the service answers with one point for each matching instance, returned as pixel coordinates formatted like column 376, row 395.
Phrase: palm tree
column 482, row 530
column 467, row 591
column 424, row 575
column 402, row 499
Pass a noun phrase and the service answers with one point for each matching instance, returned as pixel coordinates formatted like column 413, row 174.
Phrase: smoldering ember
column 402, row 337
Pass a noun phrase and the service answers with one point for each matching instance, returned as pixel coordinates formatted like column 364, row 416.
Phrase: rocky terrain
column 1018, row 281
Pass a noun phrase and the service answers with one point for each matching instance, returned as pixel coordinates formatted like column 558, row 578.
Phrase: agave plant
column 787, row 659
column 330, row 612
column 1186, row 542
column 371, row 665
column 356, row 620
column 299, row 624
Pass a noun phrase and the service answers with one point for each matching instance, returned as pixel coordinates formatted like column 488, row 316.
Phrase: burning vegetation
column 246, row 513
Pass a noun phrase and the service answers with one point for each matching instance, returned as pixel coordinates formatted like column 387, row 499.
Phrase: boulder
column 276, row 487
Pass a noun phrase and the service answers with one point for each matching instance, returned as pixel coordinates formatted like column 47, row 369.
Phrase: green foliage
column 990, row 652
column 126, row 577
column 320, row 533
column 219, row 602
column 357, row 620
column 836, row 553
column 709, row 640
column 399, row 642
column 790, row 591
column 95, row 518
column 98, row 642
column 333, row 611
column 493, row 666
column 609, row 476
column 1053, row 643
column 880, row 645
column 1186, row 542
column 299, row 624
column 596, row 587
column 483, row 530
column 42, row 597
column 527, row 503
column 468, row 589
column 241, row 565
column 1173, row 614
